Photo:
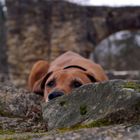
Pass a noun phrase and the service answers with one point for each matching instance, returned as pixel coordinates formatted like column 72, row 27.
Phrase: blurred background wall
column 31, row 30
column 3, row 47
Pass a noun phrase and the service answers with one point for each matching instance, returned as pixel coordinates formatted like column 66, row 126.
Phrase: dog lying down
column 65, row 73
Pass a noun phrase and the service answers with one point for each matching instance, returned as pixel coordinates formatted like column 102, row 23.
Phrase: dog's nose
column 55, row 94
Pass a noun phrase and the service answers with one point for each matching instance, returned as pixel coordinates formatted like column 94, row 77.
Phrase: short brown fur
column 42, row 73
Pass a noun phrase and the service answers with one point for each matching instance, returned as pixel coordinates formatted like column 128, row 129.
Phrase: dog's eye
column 51, row 83
column 76, row 84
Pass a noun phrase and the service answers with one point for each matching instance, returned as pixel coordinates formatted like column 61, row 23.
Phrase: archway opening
column 120, row 53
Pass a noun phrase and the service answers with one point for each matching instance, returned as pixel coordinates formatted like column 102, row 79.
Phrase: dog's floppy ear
column 96, row 74
column 39, row 70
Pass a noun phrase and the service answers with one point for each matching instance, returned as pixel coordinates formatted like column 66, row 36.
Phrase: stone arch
column 119, row 54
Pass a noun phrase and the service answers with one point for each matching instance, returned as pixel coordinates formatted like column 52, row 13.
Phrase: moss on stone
column 9, row 132
column 3, row 113
column 62, row 103
column 132, row 85
column 18, row 136
column 98, row 123
column 83, row 109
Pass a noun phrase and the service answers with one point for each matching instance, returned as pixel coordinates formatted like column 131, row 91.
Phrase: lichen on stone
column 83, row 109
column 9, row 135
column 96, row 123
column 62, row 103
column 9, row 132
column 131, row 85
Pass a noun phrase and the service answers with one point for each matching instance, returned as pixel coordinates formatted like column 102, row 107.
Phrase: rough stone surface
column 118, row 132
column 108, row 110
column 112, row 102
column 20, row 111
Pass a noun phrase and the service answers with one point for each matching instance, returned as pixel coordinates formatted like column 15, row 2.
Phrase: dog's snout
column 55, row 94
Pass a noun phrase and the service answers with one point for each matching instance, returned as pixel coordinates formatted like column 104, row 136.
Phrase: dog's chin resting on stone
column 66, row 73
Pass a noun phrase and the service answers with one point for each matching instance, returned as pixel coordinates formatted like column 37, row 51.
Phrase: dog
column 67, row 72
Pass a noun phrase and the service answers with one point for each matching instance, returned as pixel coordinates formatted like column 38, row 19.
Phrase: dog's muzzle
column 55, row 94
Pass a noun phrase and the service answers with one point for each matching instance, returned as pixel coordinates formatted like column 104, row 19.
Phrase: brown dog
column 65, row 73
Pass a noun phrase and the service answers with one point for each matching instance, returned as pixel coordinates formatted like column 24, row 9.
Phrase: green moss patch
column 132, row 85
column 8, row 135
column 9, row 132
column 83, row 109
column 62, row 103
column 3, row 113
column 98, row 123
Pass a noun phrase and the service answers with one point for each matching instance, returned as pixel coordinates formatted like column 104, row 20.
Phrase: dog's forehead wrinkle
column 75, row 66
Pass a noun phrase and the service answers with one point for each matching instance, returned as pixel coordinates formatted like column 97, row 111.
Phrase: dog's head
column 52, row 83
column 63, row 81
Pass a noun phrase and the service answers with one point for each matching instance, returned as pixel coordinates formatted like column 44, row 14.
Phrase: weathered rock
column 112, row 102
column 17, row 102
column 118, row 132
column 92, row 112
column 20, row 136
column 20, row 110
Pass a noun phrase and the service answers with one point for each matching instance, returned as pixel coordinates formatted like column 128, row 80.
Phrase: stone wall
column 3, row 49
column 28, row 36
column 69, row 29
column 45, row 29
